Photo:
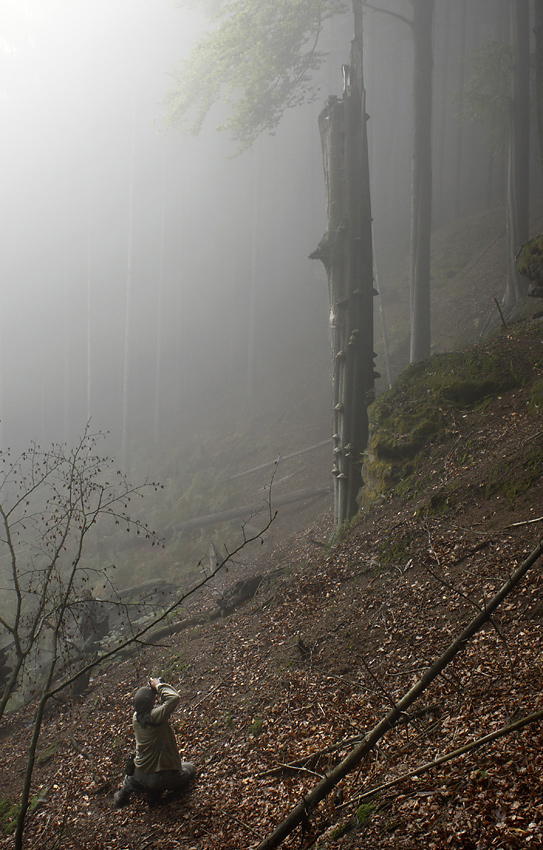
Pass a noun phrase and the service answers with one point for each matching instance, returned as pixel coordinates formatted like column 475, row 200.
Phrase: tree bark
column 125, row 451
column 421, row 212
column 302, row 811
column 458, row 138
column 538, row 32
column 518, row 190
column 346, row 252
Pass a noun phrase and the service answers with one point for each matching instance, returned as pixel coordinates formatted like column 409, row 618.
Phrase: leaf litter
column 274, row 695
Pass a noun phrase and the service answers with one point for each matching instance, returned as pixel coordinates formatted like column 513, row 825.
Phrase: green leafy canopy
column 259, row 58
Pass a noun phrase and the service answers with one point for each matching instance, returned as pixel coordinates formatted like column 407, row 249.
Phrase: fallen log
column 251, row 510
column 279, row 459
column 308, row 803
column 235, row 596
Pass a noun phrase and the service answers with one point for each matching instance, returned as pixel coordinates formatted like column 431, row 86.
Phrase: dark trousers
column 155, row 783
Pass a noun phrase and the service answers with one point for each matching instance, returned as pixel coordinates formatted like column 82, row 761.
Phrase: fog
column 150, row 278
column 146, row 275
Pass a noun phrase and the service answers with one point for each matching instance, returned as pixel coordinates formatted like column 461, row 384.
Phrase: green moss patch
column 514, row 478
column 9, row 813
column 423, row 405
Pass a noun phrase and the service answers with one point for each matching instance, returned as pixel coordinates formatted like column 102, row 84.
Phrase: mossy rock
column 9, row 812
column 422, row 406
column 529, row 260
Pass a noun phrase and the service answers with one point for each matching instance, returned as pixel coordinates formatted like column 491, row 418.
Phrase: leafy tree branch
column 259, row 58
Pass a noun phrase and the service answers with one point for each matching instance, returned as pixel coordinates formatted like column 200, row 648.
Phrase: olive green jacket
column 156, row 747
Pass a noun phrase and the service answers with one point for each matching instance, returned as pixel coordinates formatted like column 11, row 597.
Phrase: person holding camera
column 157, row 765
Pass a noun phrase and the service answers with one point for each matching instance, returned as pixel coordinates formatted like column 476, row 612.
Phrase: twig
column 504, row 323
column 246, row 825
column 78, row 747
column 524, row 522
column 378, row 683
column 299, row 769
column 388, row 12
column 212, row 691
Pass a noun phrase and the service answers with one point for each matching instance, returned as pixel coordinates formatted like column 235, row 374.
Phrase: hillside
column 274, row 694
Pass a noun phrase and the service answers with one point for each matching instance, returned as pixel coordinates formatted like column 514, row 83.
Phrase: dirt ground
column 276, row 694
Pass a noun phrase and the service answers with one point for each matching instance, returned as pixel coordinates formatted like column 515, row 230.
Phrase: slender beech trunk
column 128, row 315
column 442, row 128
column 256, row 202
column 160, row 302
column 458, row 135
column 538, row 32
column 346, row 252
column 517, row 223
column 90, row 207
column 421, row 212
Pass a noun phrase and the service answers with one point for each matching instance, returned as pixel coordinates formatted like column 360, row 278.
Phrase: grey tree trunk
column 90, row 236
column 125, row 454
column 421, row 212
column 346, row 252
column 517, row 224
column 538, row 32
column 160, row 306
column 458, row 140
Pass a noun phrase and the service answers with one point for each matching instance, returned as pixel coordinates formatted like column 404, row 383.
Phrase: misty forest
column 270, row 385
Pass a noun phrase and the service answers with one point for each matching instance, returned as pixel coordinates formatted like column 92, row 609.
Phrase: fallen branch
column 298, row 769
column 467, row 748
column 524, row 522
column 242, row 823
column 308, row 803
column 313, row 757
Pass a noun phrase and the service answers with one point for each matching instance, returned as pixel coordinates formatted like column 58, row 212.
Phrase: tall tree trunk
column 128, row 316
column 160, row 303
column 519, row 152
column 346, row 252
column 256, row 201
column 421, row 213
column 442, row 115
column 538, row 31
column 458, row 137
column 90, row 209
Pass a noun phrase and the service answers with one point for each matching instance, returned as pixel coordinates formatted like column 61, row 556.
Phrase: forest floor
column 273, row 695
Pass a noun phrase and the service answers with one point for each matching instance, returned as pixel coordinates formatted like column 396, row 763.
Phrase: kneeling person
column 157, row 765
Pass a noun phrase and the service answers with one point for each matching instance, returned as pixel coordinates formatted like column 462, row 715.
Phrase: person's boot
column 188, row 771
column 153, row 797
column 122, row 796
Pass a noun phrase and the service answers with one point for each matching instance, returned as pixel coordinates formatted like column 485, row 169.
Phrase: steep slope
column 276, row 693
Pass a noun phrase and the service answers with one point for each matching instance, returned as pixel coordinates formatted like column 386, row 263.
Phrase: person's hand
column 154, row 683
